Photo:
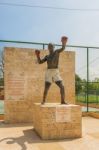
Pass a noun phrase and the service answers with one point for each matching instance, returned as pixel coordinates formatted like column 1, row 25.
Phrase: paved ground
column 23, row 137
column 84, row 109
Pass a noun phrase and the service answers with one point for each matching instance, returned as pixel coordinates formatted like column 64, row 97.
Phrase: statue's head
column 51, row 47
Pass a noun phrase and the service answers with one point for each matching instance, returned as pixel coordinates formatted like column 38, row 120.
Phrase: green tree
column 78, row 84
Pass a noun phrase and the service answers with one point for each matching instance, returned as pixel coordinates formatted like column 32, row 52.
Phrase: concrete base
column 55, row 121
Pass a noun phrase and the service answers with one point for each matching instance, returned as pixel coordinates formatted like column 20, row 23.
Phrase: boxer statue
column 52, row 73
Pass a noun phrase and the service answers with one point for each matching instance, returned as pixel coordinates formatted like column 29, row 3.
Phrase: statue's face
column 50, row 47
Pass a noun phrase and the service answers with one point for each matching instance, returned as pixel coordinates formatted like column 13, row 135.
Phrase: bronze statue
column 52, row 73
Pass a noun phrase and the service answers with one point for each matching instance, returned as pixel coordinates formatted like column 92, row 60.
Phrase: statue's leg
column 47, row 86
column 62, row 91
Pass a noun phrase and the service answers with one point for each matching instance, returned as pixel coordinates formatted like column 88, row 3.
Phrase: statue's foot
column 64, row 103
column 43, row 102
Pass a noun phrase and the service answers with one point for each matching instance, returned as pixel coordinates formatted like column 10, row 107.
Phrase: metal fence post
column 87, row 96
column 43, row 46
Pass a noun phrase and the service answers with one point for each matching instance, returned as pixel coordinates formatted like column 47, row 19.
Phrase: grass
column 91, row 98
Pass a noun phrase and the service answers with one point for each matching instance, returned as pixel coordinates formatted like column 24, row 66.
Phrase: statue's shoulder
column 56, row 51
column 46, row 56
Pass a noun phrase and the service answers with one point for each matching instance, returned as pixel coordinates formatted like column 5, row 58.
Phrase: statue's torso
column 53, row 60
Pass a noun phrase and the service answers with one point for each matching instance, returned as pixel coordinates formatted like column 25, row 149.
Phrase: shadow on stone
column 30, row 136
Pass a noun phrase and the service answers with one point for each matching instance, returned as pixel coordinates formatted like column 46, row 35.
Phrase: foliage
column 78, row 84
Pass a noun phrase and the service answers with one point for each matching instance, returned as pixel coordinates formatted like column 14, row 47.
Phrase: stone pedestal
column 55, row 121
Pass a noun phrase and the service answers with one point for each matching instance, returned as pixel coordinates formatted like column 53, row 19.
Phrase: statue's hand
column 64, row 40
column 37, row 52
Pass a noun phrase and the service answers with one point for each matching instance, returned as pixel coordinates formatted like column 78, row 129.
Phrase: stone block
column 55, row 121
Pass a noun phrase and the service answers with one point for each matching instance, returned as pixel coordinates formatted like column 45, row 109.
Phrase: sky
column 44, row 25
column 48, row 25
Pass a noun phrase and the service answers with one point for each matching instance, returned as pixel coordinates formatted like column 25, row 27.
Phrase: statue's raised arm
column 64, row 40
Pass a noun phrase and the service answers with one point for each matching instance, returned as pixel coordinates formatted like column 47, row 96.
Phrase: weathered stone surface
column 24, row 82
column 48, row 127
